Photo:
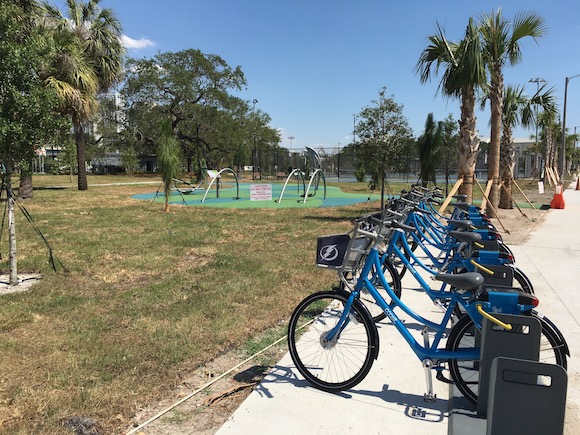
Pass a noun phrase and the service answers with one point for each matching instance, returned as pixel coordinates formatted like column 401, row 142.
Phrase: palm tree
column 549, row 136
column 518, row 110
column 87, row 60
column 428, row 146
column 463, row 74
column 168, row 158
column 501, row 46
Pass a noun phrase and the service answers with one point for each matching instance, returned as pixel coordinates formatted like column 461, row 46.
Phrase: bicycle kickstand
column 429, row 396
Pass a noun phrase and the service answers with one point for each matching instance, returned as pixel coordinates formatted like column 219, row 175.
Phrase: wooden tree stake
column 512, row 198
column 522, row 192
column 458, row 183
column 490, row 204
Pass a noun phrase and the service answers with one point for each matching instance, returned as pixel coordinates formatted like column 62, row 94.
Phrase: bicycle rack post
column 522, row 342
column 429, row 396
column 526, row 397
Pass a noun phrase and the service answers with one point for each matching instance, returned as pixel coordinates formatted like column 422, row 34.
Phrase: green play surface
column 291, row 198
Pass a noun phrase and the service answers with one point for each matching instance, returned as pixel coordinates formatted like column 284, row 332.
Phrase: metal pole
column 562, row 159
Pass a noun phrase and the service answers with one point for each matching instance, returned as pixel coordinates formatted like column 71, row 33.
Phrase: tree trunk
column 25, row 189
column 12, row 238
column 507, row 154
column 496, row 106
column 81, row 161
column 468, row 143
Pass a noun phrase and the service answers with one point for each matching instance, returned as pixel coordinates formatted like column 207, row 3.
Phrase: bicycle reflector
column 528, row 299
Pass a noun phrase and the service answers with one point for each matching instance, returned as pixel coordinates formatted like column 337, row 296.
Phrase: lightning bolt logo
column 328, row 252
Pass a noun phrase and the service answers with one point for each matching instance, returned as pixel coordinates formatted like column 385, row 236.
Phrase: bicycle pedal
column 418, row 412
column 441, row 377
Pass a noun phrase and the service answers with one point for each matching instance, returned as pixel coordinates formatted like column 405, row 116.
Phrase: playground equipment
column 205, row 174
column 315, row 163
column 210, row 177
column 217, row 177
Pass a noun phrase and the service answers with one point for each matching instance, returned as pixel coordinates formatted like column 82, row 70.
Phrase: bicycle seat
column 460, row 223
column 464, row 236
column 468, row 281
column 463, row 205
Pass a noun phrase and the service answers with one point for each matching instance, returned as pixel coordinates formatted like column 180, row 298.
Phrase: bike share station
column 515, row 392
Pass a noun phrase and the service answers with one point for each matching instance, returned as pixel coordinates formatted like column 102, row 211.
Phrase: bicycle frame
column 432, row 352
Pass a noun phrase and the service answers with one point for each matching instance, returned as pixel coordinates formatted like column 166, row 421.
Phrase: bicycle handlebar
column 495, row 320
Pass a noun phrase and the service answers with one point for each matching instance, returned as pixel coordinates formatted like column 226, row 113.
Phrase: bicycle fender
column 554, row 329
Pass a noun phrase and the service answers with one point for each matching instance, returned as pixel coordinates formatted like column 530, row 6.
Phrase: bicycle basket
column 331, row 250
column 341, row 251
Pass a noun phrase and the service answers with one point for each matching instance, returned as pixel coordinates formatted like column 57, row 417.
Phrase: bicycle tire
column 523, row 282
column 465, row 374
column 396, row 261
column 343, row 363
column 394, row 282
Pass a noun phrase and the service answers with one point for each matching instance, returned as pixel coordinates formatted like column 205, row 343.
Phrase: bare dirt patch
column 205, row 412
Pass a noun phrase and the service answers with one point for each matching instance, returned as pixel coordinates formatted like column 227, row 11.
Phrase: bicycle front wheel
column 332, row 364
column 464, row 335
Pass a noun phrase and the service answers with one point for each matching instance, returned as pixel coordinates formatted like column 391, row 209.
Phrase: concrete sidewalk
column 390, row 399
column 551, row 259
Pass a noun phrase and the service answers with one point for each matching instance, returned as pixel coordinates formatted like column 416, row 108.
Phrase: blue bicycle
column 333, row 340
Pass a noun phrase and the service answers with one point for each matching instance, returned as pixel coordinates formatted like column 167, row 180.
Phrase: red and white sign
column 260, row 192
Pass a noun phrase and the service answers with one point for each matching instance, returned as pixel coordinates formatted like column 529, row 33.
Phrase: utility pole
column 562, row 159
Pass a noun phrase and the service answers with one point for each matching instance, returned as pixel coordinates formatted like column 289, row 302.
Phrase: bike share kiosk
column 314, row 162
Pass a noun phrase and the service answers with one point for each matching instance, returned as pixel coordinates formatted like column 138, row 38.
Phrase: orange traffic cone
column 558, row 200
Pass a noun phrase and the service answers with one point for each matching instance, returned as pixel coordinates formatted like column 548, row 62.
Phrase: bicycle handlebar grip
column 408, row 228
column 375, row 220
column 394, row 212
column 409, row 201
column 369, row 234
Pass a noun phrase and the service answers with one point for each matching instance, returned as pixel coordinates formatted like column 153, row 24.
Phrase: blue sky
column 313, row 64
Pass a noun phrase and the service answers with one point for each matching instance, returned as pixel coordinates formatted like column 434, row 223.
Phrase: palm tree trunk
column 81, row 161
column 507, row 154
column 468, row 143
column 496, row 105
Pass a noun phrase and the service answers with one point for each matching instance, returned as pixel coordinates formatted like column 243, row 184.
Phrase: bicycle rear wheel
column 464, row 335
column 394, row 281
column 521, row 281
column 338, row 364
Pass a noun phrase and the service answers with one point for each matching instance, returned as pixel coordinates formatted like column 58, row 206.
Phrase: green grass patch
column 147, row 296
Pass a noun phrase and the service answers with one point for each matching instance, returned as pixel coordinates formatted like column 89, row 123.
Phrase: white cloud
column 136, row 43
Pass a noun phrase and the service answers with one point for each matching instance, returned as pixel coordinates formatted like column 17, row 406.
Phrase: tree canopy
column 197, row 91
column 27, row 108
column 384, row 135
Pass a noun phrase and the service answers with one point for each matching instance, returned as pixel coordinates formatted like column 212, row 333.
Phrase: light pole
column 537, row 81
column 291, row 156
column 562, row 159
column 254, row 101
